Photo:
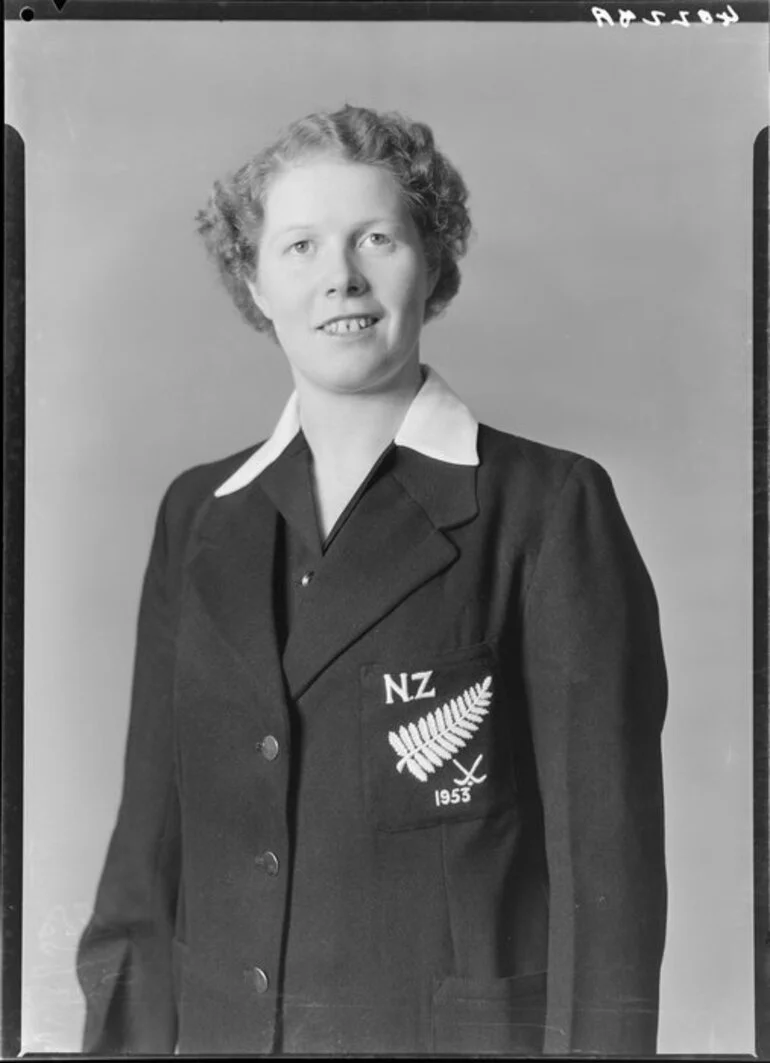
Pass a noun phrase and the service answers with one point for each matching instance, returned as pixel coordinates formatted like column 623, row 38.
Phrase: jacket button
column 258, row 978
column 268, row 862
column 307, row 578
column 269, row 747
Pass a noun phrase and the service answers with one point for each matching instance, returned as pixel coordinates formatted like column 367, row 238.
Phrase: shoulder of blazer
column 536, row 492
column 190, row 492
column 525, row 467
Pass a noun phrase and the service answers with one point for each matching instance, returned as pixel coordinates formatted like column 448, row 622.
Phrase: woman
column 393, row 777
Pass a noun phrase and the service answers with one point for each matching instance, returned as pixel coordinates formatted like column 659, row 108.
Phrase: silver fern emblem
column 429, row 742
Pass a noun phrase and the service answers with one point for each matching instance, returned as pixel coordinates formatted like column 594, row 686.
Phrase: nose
column 343, row 275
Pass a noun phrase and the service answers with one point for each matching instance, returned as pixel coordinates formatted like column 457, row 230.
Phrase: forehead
column 328, row 190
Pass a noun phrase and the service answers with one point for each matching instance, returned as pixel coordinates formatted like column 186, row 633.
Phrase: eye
column 299, row 247
column 377, row 240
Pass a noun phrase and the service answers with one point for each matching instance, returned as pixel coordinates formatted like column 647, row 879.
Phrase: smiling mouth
column 343, row 326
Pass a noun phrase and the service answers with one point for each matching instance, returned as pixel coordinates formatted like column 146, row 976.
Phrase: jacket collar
column 437, row 424
column 400, row 544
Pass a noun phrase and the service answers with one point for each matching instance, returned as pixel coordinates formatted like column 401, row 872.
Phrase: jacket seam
column 546, row 537
column 175, row 768
column 452, row 937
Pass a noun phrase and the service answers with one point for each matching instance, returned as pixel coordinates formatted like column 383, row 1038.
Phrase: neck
column 348, row 432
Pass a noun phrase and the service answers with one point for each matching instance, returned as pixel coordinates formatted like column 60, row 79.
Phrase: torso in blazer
column 433, row 825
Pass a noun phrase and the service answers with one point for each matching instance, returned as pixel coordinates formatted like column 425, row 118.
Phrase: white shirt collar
column 437, row 424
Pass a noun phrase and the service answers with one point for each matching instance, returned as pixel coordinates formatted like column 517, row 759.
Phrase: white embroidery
column 426, row 744
column 392, row 687
column 402, row 686
column 469, row 777
column 424, row 678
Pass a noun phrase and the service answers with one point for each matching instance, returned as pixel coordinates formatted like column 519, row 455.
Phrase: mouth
column 344, row 326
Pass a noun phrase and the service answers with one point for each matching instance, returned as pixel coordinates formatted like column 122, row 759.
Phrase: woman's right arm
column 124, row 962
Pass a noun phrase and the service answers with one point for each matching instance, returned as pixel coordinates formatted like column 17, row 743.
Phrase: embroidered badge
column 426, row 744
column 469, row 778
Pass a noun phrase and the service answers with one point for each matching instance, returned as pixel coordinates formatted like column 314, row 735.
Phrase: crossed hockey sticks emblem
column 469, row 777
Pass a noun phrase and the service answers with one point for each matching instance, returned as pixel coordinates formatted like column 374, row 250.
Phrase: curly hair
column 433, row 190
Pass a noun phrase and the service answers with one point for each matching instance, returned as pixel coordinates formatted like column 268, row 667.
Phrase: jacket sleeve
column 597, row 689
column 124, row 956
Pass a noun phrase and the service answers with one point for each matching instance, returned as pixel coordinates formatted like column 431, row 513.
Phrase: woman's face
column 342, row 275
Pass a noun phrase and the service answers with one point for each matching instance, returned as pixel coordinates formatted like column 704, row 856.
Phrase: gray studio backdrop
column 605, row 307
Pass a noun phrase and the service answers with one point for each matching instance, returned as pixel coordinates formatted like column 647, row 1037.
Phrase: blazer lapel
column 392, row 544
column 232, row 574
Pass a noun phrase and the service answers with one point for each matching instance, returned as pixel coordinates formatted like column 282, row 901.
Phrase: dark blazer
column 452, row 839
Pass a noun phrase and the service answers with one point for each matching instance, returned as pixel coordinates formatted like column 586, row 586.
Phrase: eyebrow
column 308, row 226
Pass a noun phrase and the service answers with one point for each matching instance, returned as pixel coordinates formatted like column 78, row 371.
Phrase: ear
column 259, row 298
column 432, row 281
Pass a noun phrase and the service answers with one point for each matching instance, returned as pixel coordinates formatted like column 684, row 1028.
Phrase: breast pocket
column 435, row 740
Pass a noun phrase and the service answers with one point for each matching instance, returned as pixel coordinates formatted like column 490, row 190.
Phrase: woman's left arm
column 597, row 689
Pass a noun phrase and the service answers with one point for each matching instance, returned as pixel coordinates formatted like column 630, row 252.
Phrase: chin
column 355, row 371
column 355, row 379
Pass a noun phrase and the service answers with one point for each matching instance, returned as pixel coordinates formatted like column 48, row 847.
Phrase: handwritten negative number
column 626, row 16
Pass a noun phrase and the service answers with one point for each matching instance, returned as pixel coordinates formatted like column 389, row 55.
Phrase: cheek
column 408, row 292
column 289, row 302
column 414, row 301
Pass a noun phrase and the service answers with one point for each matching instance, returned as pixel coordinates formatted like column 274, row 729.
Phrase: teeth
column 349, row 324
